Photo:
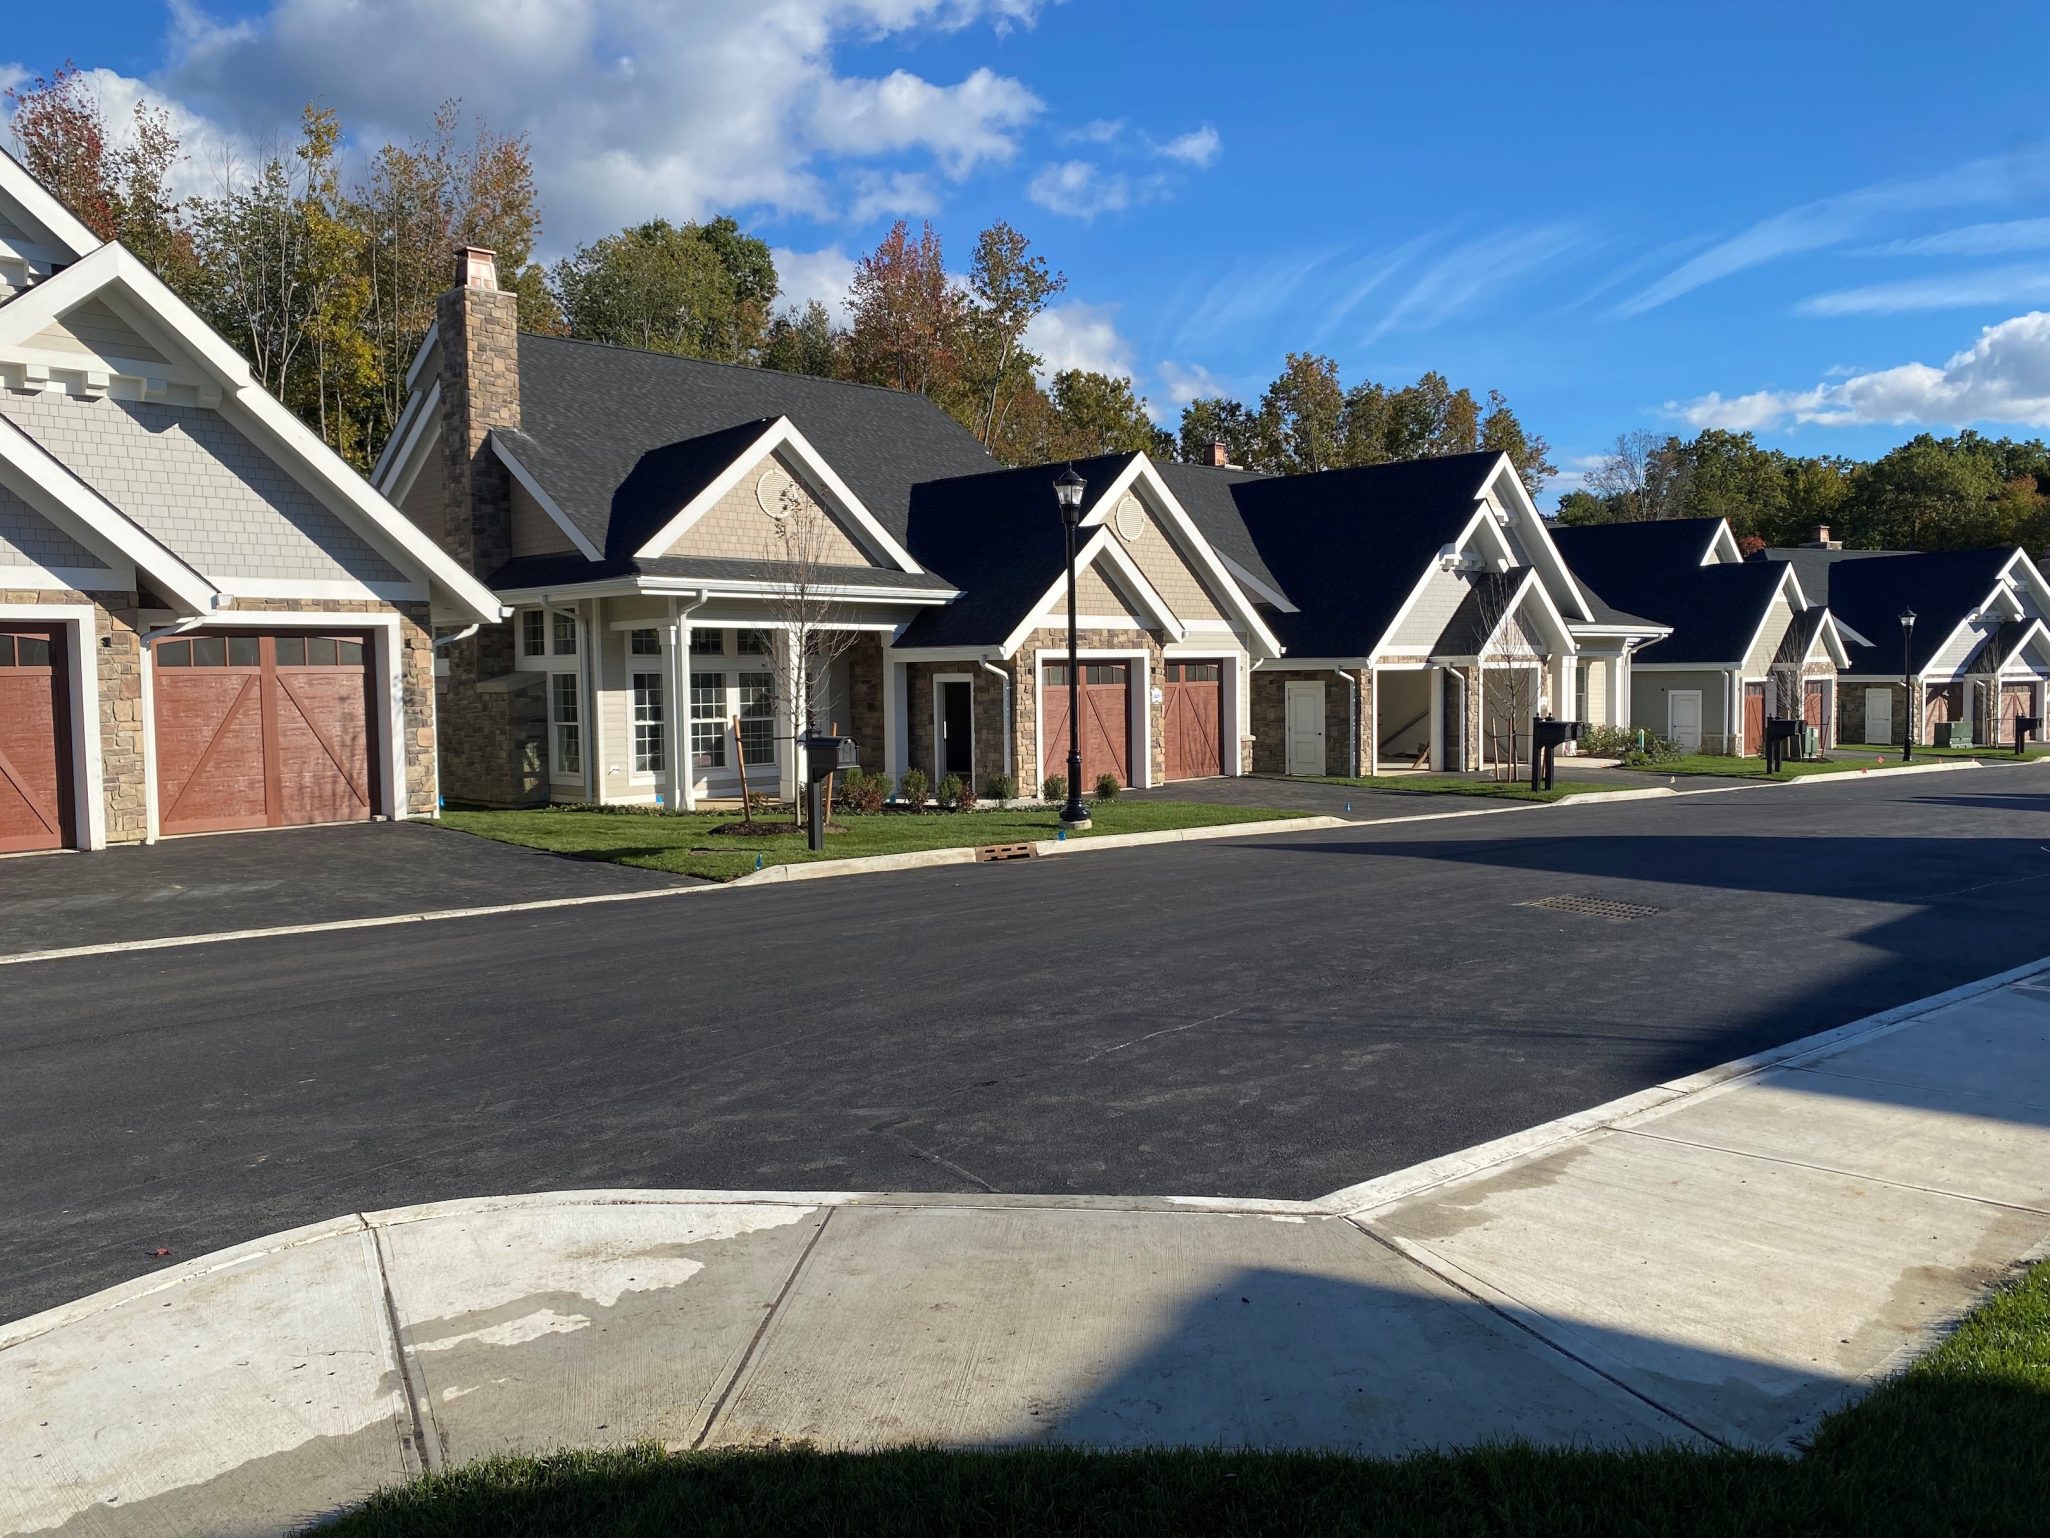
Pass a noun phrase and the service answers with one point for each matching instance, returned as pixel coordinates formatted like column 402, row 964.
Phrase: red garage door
column 1193, row 706
column 1106, row 721
column 1754, row 719
column 35, row 739
column 262, row 731
column 2016, row 700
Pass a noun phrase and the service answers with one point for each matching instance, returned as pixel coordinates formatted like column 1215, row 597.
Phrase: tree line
column 1958, row 493
column 327, row 283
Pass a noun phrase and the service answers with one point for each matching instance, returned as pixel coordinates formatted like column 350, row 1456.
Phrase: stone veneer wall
column 1270, row 718
column 492, row 738
column 864, row 706
column 990, row 725
column 1025, row 694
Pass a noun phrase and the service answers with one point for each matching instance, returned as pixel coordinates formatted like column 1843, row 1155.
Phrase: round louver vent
column 776, row 492
column 1130, row 518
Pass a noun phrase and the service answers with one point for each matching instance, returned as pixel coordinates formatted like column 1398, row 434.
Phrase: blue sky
column 1829, row 224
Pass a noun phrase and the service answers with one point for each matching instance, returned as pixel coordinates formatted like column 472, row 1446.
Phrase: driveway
column 1278, row 1016
column 279, row 877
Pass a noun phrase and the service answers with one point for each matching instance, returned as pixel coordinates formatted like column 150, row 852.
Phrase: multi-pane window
column 754, row 643
column 25, row 651
column 565, row 635
column 565, row 723
column 649, row 737
column 533, row 634
column 707, row 643
column 708, row 720
column 758, row 717
column 645, row 643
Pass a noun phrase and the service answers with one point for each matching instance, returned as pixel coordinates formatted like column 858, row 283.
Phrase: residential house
column 635, row 511
column 207, row 620
column 1425, row 612
column 1978, row 653
column 1747, row 643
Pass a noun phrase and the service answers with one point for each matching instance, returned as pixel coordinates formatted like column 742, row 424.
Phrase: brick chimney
column 1215, row 454
column 1822, row 541
column 480, row 390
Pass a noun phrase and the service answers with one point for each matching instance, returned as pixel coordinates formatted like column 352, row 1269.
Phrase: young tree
column 812, row 625
column 1642, row 478
column 804, row 342
column 906, row 314
column 1512, row 673
column 1300, row 415
column 1007, row 287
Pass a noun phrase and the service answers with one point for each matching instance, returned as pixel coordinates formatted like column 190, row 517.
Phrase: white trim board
column 539, row 493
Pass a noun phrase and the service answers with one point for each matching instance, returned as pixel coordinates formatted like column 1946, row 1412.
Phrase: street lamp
column 1907, row 685
column 1067, row 489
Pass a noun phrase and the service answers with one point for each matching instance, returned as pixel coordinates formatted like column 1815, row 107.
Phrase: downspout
column 178, row 627
column 1010, row 717
column 1352, row 721
column 461, row 635
column 683, row 779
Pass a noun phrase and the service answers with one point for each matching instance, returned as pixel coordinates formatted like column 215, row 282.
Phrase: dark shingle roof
column 1655, row 568
column 607, row 427
column 1800, row 635
column 1812, row 568
column 569, row 568
column 997, row 537
column 1205, row 493
column 1941, row 586
column 1487, row 594
column 1348, row 546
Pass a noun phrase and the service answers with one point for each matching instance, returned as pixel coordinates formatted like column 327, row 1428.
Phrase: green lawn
column 1844, row 758
column 1452, row 785
column 1891, row 752
column 1960, row 1443
column 685, row 844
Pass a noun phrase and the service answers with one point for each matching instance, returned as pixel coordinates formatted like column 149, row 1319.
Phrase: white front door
column 1879, row 715
column 1305, row 728
column 1683, row 719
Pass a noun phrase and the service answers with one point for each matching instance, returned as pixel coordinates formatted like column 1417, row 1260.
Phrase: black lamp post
column 1907, row 685
column 1067, row 489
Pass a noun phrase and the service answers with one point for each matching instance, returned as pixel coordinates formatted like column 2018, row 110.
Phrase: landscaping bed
column 1959, row 1443
column 698, row 843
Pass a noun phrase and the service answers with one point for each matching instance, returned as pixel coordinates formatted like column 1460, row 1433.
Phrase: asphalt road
column 1279, row 1016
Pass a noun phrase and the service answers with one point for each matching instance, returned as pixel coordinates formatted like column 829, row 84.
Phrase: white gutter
column 461, row 635
column 1010, row 716
column 178, row 628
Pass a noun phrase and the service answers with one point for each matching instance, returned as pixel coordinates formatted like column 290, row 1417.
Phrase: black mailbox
column 1779, row 731
column 825, row 756
column 828, row 755
column 1545, row 736
column 2026, row 727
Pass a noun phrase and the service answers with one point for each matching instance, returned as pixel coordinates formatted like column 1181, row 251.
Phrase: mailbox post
column 1545, row 737
column 1779, row 731
column 824, row 756
column 2026, row 727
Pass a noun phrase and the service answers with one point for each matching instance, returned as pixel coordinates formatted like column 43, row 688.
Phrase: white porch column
column 1618, row 683
column 1436, row 695
column 589, row 614
column 896, row 742
column 677, row 639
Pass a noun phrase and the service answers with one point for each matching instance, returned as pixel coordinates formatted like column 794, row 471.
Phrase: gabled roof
column 603, row 428
column 44, row 207
column 1349, row 546
column 1489, row 596
column 1941, row 586
column 2000, row 647
column 113, row 268
column 1815, row 567
column 1656, row 568
column 1205, row 493
column 998, row 537
column 567, row 569
column 1621, row 559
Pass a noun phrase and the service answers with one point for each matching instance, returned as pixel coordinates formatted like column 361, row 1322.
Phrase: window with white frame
column 565, row 723
column 645, row 643
column 565, row 634
column 534, row 633
column 707, row 643
column 708, row 720
column 650, row 754
column 757, row 717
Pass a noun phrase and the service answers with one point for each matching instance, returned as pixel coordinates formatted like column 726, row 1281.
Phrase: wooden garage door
column 1754, row 719
column 262, row 731
column 2016, row 700
column 1193, row 705
column 35, row 739
column 1815, row 713
column 1106, row 721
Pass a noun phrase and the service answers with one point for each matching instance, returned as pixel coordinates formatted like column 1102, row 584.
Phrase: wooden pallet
column 991, row 852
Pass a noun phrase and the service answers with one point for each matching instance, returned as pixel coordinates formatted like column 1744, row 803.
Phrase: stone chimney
column 480, row 390
column 1822, row 541
column 1215, row 454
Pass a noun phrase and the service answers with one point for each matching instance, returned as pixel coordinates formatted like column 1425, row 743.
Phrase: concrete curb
column 1400, row 1185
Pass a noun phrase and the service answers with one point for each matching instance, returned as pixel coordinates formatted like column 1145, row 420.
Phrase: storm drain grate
column 1594, row 907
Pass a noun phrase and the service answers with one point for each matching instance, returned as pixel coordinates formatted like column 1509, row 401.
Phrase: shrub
column 1656, row 750
column 1000, row 787
column 861, row 791
column 1054, row 789
column 1623, row 742
column 911, row 788
column 948, row 793
column 1107, row 787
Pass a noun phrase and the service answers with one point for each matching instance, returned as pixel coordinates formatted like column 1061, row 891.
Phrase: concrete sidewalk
column 1724, row 1258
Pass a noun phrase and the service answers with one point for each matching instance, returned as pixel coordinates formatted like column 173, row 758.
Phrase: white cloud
column 1181, row 383
column 807, row 275
column 1198, row 148
column 1951, row 291
column 1972, row 240
column 721, row 104
column 1573, row 477
column 1830, row 221
column 1103, row 130
column 1473, row 271
column 1079, row 335
column 1080, row 189
column 874, row 194
column 2003, row 377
